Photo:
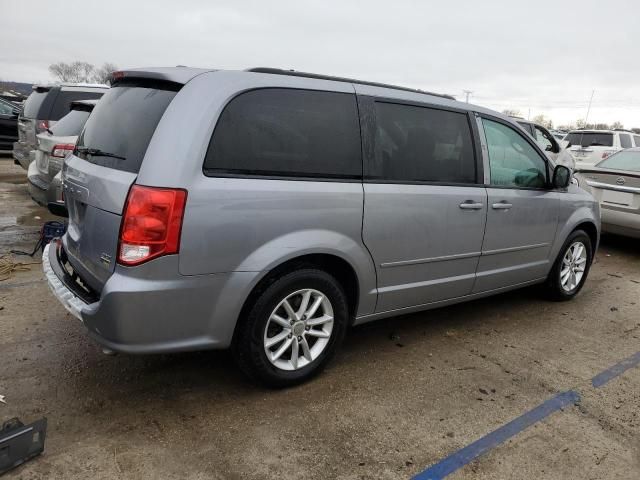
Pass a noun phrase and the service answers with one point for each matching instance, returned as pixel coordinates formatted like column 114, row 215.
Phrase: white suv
column 590, row 146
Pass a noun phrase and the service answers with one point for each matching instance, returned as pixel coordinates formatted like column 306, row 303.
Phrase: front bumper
column 151, row 308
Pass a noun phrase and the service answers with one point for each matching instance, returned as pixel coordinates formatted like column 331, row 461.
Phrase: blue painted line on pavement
column 615, row 371
column 472, row 451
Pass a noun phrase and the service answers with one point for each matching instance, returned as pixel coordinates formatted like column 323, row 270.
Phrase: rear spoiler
column 176, row 76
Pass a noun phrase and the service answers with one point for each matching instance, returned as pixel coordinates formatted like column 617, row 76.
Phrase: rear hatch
column 98, row 175
column 588, row 148
column 49, row 166
column 37, row 106
column 64, row 134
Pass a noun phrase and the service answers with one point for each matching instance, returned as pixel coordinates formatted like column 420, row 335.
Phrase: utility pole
column 588, row 108
column 467, row 93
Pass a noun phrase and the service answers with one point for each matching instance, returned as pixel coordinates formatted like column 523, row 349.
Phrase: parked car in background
column 615, row 183
column 8, row 125
column 46, row 105
column 554, row 148
column 559, row 135
column 54, row 146
column 588, row 147
column 269, row 210
column 541, row 135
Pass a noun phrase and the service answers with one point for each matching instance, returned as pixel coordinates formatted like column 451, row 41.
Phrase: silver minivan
column 267, row 211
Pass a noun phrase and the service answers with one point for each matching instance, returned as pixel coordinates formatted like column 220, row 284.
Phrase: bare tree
column 543, row 120
column 81, row 72
column 617, row 125
column 511, row 112
column 103, row 74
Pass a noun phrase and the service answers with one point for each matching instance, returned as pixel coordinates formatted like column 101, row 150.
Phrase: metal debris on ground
column 20, row 442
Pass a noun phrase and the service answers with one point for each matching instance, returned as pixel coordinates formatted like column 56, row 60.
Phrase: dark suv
column 46, row 105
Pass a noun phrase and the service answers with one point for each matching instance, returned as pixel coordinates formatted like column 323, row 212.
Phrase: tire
column 563, row 291
column 265, row 322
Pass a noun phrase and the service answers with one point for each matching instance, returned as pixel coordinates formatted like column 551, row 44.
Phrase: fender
column 583, row 214
column 317, row 241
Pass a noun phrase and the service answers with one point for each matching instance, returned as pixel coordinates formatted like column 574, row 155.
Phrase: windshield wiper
column 97, row 152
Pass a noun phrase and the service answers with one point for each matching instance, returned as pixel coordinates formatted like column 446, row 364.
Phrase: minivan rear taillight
column 62, row 150
column 151, row 224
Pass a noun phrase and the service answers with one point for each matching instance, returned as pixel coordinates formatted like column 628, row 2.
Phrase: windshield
column 122, row 125
column 33, row 104
column 590, row 139
column 71, row 124
column 624, row 160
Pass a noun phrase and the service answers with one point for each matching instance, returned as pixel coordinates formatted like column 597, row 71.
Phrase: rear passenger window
column 625, row 140
column 423, row 144
column 287, row 132
column 637, row 140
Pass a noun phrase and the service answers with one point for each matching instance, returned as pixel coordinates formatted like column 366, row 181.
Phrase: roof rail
column 294, row 73
column 622, row 130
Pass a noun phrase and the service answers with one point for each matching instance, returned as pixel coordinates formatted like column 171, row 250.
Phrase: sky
column 538, row 57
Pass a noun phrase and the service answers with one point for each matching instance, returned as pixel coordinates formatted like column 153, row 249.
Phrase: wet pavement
column 401, row 395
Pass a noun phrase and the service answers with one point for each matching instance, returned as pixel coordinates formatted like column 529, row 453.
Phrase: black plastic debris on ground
column 20, row 442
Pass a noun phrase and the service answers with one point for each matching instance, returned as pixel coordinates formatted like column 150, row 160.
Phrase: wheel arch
column 337, row 266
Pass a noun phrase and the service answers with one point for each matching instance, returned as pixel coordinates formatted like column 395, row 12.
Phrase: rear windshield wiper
column 97, row 152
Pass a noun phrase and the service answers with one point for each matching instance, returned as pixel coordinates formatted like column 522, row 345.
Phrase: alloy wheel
column 298, row 329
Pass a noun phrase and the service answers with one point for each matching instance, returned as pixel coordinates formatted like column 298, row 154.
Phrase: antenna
column 589, row 108
column 467, row 93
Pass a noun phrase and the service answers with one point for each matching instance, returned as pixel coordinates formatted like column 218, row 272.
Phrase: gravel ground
column 402, row 393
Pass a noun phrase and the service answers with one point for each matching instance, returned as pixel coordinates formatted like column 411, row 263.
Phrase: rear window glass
column 590, row 139
column 122, row 124
column 71, row 124
column 622, row 161
column 423, row 144
column 625, row 140
column 287, row 132
column 637, row 139
column 62, row 104
column 33, row 104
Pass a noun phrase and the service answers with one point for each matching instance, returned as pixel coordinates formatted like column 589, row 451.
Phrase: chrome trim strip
column 66, row 297
column 514, row 249
column 485, row 151
column 418, row 261
column 617, row 188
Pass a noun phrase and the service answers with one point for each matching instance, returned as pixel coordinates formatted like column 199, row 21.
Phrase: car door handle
column 501, row 206
column 471, row 205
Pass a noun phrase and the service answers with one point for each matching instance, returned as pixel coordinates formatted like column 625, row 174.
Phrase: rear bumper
column 22, row 154
column 620, row 223
column 38, row 185
column 144, row 310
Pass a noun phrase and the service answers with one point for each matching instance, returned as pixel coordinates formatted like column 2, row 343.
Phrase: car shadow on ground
column 212, row 372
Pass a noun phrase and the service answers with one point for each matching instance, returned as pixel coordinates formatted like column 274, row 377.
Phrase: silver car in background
column 54, row 146
column 267, row 211
column 45, row 106
column 615, row 183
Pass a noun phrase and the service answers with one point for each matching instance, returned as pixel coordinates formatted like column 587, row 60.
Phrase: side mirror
column 561, row 177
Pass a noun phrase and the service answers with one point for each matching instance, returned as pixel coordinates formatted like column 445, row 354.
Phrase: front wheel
column 292, row 329
column 571, row 268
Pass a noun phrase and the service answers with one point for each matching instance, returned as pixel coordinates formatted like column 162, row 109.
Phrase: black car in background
column 8, row 125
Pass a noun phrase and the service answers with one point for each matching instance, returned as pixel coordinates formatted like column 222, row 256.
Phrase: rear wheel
column 571, row 268
column 292, row 329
